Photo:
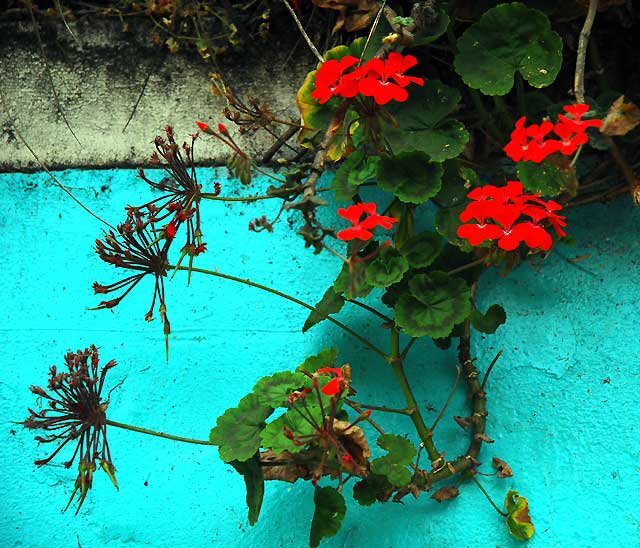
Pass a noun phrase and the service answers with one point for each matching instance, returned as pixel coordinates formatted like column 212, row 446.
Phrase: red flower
column 377, row 82
column 333, row 386
column 202, row 126
column 361, row 228
column 576, row 123
column 329, row 76
column 505, row 206
column 528, row 144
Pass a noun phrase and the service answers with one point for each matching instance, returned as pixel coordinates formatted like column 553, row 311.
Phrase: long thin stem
column 578, row 82
column 212, row 196
column 396, row 364
column 370, row 309
column 446, row 404
column 486, row 375
column 381, row 408
column 303, row 32
column 246, row 281
column 158, row 434
column 504, row 514
column 467, row 266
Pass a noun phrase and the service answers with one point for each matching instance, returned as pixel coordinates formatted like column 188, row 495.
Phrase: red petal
column 476, row 234
column 354, row 233
column 332, row 387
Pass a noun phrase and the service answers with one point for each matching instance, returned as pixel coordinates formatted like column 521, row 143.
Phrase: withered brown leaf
column 504, row 470
column 445, row 493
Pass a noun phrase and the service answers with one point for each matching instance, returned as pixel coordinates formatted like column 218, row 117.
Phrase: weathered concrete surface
column 99, row 84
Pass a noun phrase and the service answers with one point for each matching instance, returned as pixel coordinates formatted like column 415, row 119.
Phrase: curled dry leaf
column 504, row 470
column 354, row 441
column 445, row 493
column 288, row 472
column 354, row 14
column 621, row 118
column 483, row 437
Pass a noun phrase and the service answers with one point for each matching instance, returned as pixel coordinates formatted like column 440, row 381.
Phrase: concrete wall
column 562, row 399
column 99, row 85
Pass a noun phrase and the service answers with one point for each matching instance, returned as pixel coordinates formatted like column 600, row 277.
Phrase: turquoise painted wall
column 562, row 399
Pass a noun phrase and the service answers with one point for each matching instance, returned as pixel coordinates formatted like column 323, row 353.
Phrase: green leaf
column 422, row 249
column 355, row 170
column 489, row 322
column 328, row 516
column 543, row 178
column 386, row 269
column 366, row 491
column 518, row 520
column 355, row 287
column 508, row 38
column 331, row 303
column 410, row 176
column 275, row 389
column 447, row 223
column 273, row 437
column 237, row 430
column 254, row 482
column 421, row 124
column 432, row 30
column 400, row 453
column 325, row 358
column 434, row 303
column 457, row 182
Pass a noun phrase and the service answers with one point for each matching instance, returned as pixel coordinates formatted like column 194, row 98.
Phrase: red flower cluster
column 382, row 80
column 530, row 143
column 361, row 228
column 505, row 206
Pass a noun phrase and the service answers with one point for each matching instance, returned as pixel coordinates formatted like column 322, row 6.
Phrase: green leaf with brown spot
column 518, row 519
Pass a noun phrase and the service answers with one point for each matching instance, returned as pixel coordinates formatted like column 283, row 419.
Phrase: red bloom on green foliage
column 382, row 80
column 506, row 206
column 379, row 75
column 532, row 143
column 329, row 78
column 361, row 229
column 333, row 386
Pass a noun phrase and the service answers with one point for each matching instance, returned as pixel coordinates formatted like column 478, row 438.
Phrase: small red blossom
column 222, row 129
column 362, row 227
column 333, row 386
column 506, row 206
column 384, row 80
column 203, row 126
column 170, row 230
column 533, row 144
column 200, row 249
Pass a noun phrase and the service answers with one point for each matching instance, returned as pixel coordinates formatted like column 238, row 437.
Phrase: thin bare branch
column 303, row 32
column 446, row 404
column 578, row 82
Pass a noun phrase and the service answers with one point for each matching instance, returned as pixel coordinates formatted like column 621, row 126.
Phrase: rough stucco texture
column 562, row 399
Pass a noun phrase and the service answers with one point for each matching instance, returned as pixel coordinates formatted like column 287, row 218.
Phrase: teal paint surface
column 562, row 399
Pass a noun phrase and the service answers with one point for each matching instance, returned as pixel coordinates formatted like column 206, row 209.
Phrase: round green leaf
column 401, row 450
column 489, row 322
column 508, row 38
column 325, row 358
column 434, row 303
column 328, row 515
column 410, row 176
column 238, row 429
column 422, row 249
column 367, row 490
column 543, row 178
column 386, row 269
column 273, row 434
column 353, row 284
column 431, row 31
column 447, row 223
column 421, row 124
column 275, row 389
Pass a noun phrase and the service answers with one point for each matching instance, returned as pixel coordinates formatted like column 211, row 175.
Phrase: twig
column 275, row 147
column 56, row 98
column 446, row 404
column 486, row 375
column 578, row 82
column 304, row 34
column 153, row 68
column 489, row 498
column 46, row 169
column 64, row 20
column 370, row 309
column 373, row 29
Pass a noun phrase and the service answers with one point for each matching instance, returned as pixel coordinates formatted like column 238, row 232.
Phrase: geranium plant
column 377, row 111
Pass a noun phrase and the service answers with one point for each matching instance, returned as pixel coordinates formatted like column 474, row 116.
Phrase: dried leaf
column 354, row 15
column 445, row 493
column 355, row 442
column 621, row 118
column 483, row 437
column 504, row 470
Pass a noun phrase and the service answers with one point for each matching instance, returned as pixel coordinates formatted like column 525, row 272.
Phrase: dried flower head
column 76, row 413
column 135, row 248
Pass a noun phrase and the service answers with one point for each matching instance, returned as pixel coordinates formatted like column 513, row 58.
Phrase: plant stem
column 370, row 309
column 466, row 266
column 396, row 364
column 503, row 514
column 158, row 434
column 212, row 196
column 381, row 408
column 578, row 81
column 246, row 281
